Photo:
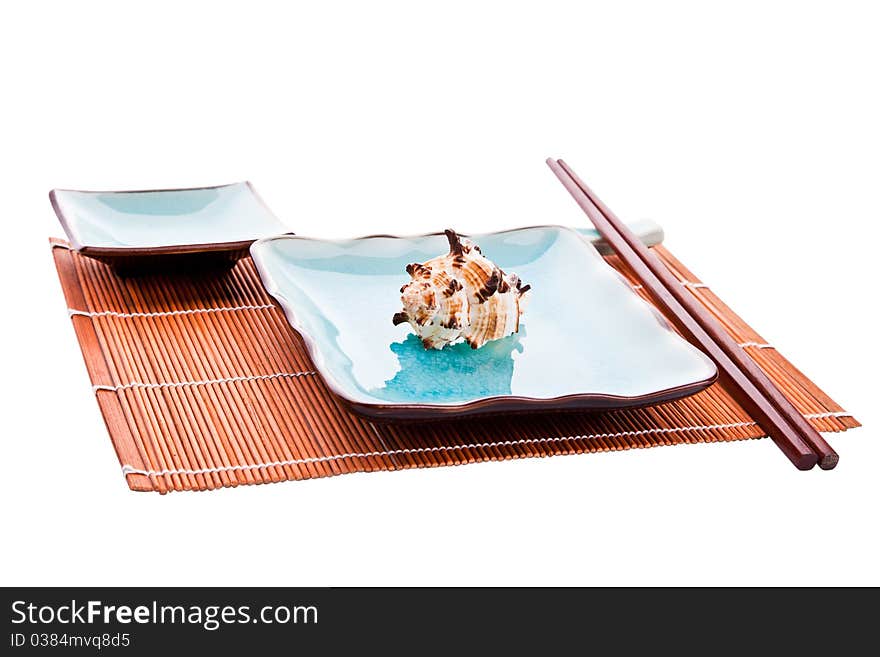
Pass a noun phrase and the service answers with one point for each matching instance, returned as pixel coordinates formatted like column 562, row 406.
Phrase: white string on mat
column 165, row 313
column 129, row 469
column 203, row 382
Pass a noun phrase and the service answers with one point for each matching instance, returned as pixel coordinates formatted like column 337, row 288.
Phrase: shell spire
column 455, row 247
column 461, row 296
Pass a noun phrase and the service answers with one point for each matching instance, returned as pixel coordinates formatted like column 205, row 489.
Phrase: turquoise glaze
column 584, row 331
column 208, row 215
column 649, row 232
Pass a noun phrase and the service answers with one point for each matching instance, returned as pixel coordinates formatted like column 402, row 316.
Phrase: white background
column 750, row 133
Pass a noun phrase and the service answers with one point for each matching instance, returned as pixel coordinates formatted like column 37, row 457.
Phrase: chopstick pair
column 738, row 373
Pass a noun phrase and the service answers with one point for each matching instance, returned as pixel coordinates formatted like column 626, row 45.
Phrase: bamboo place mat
column 202, row 383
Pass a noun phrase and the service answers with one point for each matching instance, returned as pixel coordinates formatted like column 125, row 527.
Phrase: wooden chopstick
column 827, row 457
column 748, row 384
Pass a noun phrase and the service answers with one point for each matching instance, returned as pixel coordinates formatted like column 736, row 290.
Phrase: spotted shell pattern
column 461, row 296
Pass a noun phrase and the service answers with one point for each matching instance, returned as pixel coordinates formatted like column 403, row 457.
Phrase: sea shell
column 461, row 296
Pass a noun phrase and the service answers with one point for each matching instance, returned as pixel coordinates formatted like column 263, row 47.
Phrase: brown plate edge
column 509, row 404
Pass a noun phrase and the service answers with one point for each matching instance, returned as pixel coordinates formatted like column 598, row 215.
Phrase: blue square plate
column 586, row 340
column 165, row 227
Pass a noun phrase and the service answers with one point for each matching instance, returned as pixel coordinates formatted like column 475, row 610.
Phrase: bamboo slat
column 203, row 384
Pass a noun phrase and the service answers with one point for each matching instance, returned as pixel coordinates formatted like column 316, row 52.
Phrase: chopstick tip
column 804, row 461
